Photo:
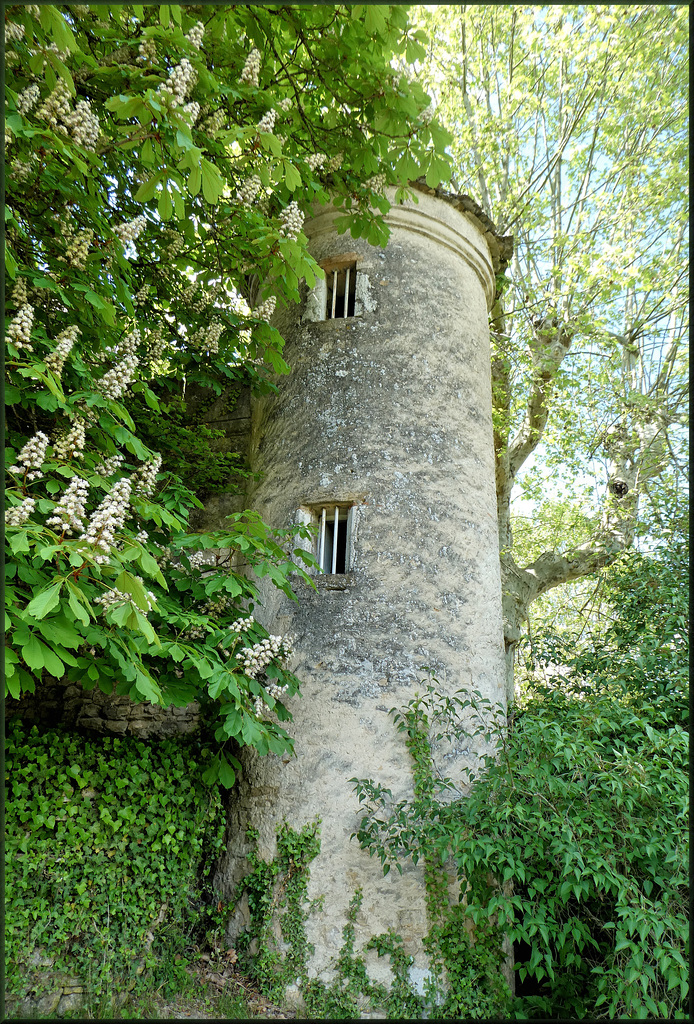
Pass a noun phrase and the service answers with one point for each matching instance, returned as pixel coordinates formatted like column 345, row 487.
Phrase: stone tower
column 381, row 437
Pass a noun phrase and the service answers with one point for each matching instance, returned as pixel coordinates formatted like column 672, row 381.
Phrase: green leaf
column 146, row 628
column 148, row 188
column 10, row 262
column 292, row 177
column 60, row 631
column 212, row 184
column 19, row 542
column 194, row 181
column 164, row 205
column 45, row 601
column 33, row 653
column 227, row 776
column 79, row 611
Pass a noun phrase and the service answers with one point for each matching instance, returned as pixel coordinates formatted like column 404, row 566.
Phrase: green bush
column 109, row 847
column 575, row 841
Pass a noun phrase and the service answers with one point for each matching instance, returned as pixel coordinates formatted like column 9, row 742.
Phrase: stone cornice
column 500, row 246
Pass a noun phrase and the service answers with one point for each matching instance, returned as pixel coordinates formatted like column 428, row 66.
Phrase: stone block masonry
column 59, row 702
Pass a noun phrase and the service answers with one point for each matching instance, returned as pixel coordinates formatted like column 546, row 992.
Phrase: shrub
column 575, row 841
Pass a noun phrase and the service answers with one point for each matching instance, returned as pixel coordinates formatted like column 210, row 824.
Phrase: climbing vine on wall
column 110, row 845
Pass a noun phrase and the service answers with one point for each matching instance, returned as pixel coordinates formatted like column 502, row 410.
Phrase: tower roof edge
column 500, row 246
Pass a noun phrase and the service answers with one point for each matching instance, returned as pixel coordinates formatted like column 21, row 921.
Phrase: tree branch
column 551, row 343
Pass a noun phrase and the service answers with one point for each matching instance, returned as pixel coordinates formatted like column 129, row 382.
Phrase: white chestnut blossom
column 108, row 517
column 251, row 69
column 292, row 221
column 23, row 169
column 248, row 191
column 109, row 466
column 155, row 345
column 32, row 457
column 18, row 514
column 175, row 242
column 13, row 32
column 316, row 160
column 56, row 107
column 130, row 230
column 19, row 332
column 182, row 78
column 216, row 605
column 55, row 360
column 335, row 161
column 242, row 625
column 147, row 51
column 256, row 658
column 208, row 337
column 28, row 98
column 84, row 125
column 195, row 36
column 277, row 692
column 78, row 249
column 200, row 558
column 20, row 295
column 285, row 104
column 114, row 383
column 141, row 295
column 142, row 536
column 265, row 310
column 70, row 510
column 166, row 555
column 192, row 110
column 267, row 122
column 145, row 479
column 377, row 183
column 112, row 598
column 215, row 122
column 70, row 445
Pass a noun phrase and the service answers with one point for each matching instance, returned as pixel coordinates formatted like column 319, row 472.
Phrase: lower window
column 333, row 544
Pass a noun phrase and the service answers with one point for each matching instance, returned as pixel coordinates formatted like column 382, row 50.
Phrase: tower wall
column 389, row 410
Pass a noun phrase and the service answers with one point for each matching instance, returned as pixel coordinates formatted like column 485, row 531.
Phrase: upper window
column 341, row 291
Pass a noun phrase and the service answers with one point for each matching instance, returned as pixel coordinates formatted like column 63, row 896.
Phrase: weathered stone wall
column 64, row 703
column 391, row 410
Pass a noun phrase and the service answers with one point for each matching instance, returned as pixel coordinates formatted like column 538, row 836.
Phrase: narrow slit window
column 334, row 540
column 341, row 291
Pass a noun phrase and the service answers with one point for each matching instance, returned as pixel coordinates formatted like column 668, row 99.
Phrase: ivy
column 110, row 846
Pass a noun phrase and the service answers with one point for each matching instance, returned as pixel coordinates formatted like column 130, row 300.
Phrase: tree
column 161, row 161
column 569, row 125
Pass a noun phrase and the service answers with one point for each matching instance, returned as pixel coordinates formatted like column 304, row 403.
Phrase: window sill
column 334, row 581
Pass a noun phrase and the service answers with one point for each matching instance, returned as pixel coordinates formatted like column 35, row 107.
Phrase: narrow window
column 335, row 534
column 341, row 291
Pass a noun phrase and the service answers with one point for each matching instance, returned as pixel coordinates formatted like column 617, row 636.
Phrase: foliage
column 109, row 848
column 271, row 887
column 277, row 890
column 574, row 842
column 153, row 222
column 466, row 980
column 635, row 641
column 570, row 126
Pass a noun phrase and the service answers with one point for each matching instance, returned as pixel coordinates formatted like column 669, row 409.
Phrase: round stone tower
column 381, row 437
